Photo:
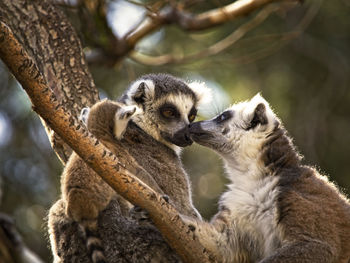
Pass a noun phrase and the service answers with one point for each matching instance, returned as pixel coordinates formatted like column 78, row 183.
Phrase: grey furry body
column 148, row 146
column 152, row 158
column 124, row 239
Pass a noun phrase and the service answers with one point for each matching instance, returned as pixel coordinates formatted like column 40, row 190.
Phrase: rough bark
column 55, row 48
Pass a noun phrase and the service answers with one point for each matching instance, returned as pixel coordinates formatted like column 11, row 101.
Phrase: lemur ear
column 257, row 110
column 202, row 92
column 259, row 116
column 140, row 91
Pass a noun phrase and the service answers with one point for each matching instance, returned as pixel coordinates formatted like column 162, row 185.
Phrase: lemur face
column 169, row 105
column 239, row 130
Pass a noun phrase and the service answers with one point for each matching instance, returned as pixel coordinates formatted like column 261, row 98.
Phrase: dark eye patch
column 224, row 117
column 192, row 115
column 169, row 111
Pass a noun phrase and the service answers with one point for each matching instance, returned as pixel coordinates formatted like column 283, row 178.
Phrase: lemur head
column 238, row 133
column 169, row 105
column 108, row 119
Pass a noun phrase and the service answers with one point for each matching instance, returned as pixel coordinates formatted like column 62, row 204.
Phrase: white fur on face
column 182, row 102
column 251, row 197
column 246, row 144
column 150, row 123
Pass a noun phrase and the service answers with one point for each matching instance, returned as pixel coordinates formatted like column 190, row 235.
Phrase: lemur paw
column 140, row 215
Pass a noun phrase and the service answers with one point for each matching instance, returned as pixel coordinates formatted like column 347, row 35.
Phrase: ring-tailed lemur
column 151, row 142
column 275, row 209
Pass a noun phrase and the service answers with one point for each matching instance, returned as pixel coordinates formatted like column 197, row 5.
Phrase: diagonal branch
column 99, row 158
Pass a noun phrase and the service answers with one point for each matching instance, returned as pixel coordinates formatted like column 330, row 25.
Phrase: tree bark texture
column 164, row 216
column 51, row 41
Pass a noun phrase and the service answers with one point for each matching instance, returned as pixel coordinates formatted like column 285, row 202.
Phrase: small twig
column 95, row 154
column 212, row 50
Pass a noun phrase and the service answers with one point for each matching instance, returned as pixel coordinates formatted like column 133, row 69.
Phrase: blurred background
column 297, row 59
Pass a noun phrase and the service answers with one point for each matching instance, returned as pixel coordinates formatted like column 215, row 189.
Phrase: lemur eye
column 168, row 113
column 191, row 117
column 224, row 116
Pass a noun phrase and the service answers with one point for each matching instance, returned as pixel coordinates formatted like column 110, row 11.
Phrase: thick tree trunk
column 52, row 42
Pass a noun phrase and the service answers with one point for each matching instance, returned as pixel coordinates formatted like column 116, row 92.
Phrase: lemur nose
column 187, row 134
column 192, row 126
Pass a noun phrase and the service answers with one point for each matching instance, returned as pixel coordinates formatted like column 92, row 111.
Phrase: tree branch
column 99, row 158
column 191, row 22
column 55, row 47
column 212, row 50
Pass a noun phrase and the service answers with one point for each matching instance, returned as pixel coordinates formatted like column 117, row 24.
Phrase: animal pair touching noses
column 275, row 209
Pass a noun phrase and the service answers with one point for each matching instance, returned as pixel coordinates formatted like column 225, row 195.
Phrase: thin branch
column 230, row 40
column 191, row 22
column 212, row 50
column 221, row 15
column 151, row 13
column 98, row 157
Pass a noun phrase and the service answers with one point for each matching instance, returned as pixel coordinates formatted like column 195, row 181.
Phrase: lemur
column 145, row 129
column 275, row 209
